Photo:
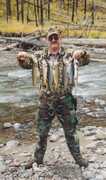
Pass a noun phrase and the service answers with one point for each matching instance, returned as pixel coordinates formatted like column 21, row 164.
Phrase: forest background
column 76, row 18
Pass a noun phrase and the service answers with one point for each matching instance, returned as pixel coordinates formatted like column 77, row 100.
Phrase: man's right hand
column 22, row 57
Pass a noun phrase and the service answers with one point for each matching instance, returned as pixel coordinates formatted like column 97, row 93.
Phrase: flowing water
column 16, row 89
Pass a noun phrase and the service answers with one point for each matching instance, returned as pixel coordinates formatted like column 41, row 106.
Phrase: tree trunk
column 85, row 8
column 22, row 11
column 73, row 9
column 35, row 12
column 17, row 7
column 38, row 9
column 76, row 6
column 48, row 9
column 93, row 12
column 8, row 9
column 41, row 12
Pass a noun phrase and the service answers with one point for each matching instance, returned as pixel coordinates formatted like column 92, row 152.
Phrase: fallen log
column 9, row 47
column 26, row 42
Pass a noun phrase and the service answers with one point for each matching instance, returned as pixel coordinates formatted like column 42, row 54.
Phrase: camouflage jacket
column 54, row 74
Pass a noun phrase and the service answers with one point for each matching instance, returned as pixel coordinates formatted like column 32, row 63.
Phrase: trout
column 35, row 71
column 44, row 68
column 56, row 76
column 68, row 72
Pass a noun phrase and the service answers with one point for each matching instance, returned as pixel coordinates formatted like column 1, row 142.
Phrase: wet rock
column 7, row 125
column 12, row 144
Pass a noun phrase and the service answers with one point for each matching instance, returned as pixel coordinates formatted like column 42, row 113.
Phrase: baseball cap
column 52, row 31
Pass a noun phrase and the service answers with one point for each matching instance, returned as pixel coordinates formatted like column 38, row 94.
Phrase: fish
column 45, row 71
column 50, row 75
column 68, row 72
column 35, row 70
column 35, row 74
column 56, row 76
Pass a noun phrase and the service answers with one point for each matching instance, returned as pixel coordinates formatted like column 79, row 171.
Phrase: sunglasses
column 54, row 36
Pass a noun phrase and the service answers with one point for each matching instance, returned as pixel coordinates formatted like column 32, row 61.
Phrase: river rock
column 17, row 126
column 2, row 165
column 99, row 177
column 7, row 125
column 12, row 144
column 35, row 168
column 103, row 172
column 54, row 138
column 99, row 101
column 89, row 131
column 101, row 134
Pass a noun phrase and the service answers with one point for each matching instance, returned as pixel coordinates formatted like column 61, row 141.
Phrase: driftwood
column 9, row 47
column 25, row 42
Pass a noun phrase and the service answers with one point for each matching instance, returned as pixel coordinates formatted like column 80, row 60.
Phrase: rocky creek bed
column 58, row 163
column 18, row 105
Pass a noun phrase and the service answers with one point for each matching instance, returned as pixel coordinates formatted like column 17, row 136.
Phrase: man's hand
column 77, row 54
column 24, row 60
column 22, row 57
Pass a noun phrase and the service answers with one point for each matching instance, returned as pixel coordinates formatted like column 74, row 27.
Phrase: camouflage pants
column 65, row 109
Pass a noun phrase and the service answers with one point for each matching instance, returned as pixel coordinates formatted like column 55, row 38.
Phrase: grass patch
column 14, row 26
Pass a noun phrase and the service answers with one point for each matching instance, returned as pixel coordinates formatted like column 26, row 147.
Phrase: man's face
column 54, row 42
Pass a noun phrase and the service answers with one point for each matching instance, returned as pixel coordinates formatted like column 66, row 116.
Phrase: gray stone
column 100, row 101
column 99, row 177
column 2, row 165
column 7, row 125
column 101, row 134
column 35, row 168
column 12, row 144
column 103, row 172
column 17, row 126
column 54, row 138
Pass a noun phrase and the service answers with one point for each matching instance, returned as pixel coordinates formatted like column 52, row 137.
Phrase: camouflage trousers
column 65, row 109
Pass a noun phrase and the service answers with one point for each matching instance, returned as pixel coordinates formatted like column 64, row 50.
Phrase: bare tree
column 22, row 11
column 8, row 9
column 93, row 11
column 85, row 8
column 35, row 13
column 48, row 9
column 41, row 12
column 76, row 5
column 17, row 9
column 73, row 10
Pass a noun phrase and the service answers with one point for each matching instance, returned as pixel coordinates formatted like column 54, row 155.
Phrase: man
column 58, row 73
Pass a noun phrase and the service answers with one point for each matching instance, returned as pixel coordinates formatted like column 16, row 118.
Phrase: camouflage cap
column 52, row 31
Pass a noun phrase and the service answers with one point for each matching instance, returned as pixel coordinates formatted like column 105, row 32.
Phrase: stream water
column 18, row 98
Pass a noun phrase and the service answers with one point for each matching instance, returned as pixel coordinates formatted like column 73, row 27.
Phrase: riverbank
column 58, row 163
column 18, row 100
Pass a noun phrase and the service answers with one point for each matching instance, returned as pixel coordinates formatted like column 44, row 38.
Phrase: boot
column 82, row 162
